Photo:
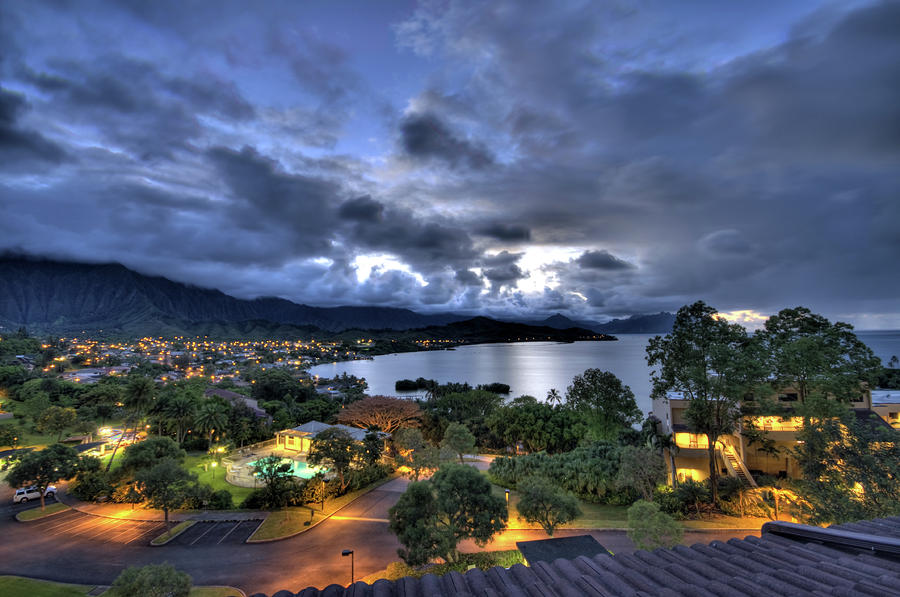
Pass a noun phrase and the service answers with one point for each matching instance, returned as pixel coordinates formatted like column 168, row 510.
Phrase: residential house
column 741, row 454
column 299, row 438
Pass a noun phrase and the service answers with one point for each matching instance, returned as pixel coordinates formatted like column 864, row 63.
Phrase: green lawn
column 594, row 516
column 214, row 476
column 27, row 438
column 16, row 585
column 37, row 513
column 600, row 516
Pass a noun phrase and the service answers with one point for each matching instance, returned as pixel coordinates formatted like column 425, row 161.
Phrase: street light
column 507, row 501
column 345, row 553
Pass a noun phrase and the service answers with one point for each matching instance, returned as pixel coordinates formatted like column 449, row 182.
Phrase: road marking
column 360, row 518
column 153, row 528
column 211, row 527
column 250, row 534
column 231, row 530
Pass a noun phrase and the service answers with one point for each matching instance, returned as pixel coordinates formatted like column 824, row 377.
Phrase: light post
column 507, row 501
column 345, row 553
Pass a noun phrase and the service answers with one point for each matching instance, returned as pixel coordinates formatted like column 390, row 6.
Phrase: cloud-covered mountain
column 70, row 297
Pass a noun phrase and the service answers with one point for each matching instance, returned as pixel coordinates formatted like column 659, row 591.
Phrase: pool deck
column 239, row 471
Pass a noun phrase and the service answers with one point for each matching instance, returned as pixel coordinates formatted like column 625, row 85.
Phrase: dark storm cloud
column 725, row 181
column 425, row 137
column 602, row 260
column 21, row 147
column 507, row 232
column 467, row 277
column 361, row 209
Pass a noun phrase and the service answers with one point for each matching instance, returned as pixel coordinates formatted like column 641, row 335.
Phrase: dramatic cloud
column 602, row 260
column 595, row 159
column 424, row 136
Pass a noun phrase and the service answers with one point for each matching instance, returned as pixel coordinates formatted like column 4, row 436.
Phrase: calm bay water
column 534, row 368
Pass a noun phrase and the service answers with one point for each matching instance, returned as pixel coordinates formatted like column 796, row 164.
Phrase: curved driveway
column 312, row 558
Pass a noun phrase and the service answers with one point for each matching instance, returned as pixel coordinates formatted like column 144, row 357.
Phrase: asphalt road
column 80, row 548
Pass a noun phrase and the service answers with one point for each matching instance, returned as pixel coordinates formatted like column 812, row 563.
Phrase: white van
column 32, row 493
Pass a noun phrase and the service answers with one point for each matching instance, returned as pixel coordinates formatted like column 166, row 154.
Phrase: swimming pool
column 298, row 469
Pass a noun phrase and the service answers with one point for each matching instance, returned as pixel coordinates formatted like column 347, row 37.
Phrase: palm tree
column 180, row 411
column 139, row 395
column 210, row 417
column 554, row 397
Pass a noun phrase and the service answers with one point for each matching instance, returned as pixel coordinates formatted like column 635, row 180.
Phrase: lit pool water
column 299, row 469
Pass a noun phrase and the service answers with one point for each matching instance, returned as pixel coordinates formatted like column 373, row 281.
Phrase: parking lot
column 216, row 533
column 106, row 530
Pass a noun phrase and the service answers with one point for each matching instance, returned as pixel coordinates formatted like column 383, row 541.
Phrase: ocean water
column 534, row 368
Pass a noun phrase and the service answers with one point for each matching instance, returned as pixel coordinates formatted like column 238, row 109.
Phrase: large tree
column 713, row 364
column 336, row 450
column 814, row 356
column 850, row 466
column 543, row 502
column 149, row 453
column 414, row 452
column 432, row 517
column 56, row 419
column 607, row 405
column 458, row 440
column 164, row 485
column 279, row 483
column 43, row 468
column 382, row 413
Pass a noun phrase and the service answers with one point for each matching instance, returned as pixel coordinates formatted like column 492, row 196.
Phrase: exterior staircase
column 736, row 467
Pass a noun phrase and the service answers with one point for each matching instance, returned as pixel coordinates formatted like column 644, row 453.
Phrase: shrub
column 650, row 528
column 221, row 500
column 161, row 580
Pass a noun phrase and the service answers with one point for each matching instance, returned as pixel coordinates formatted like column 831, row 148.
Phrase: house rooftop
column 861, row 558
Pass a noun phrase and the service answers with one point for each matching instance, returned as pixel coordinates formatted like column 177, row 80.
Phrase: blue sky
column 507, row 158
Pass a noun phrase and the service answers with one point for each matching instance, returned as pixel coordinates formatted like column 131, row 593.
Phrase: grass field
column 16, row 585
column 199, row 464
column 37, row 513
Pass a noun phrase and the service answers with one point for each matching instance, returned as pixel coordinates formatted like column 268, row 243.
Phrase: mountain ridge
column 66, row 297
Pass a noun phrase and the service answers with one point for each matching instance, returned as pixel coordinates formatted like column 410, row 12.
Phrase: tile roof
column 860, row 558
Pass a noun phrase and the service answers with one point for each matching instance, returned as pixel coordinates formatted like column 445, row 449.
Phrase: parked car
column 31, row 493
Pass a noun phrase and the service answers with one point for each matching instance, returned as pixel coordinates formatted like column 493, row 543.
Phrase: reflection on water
column 534, row 367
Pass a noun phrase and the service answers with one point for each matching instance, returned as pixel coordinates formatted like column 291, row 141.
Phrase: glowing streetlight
column 345, row 553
